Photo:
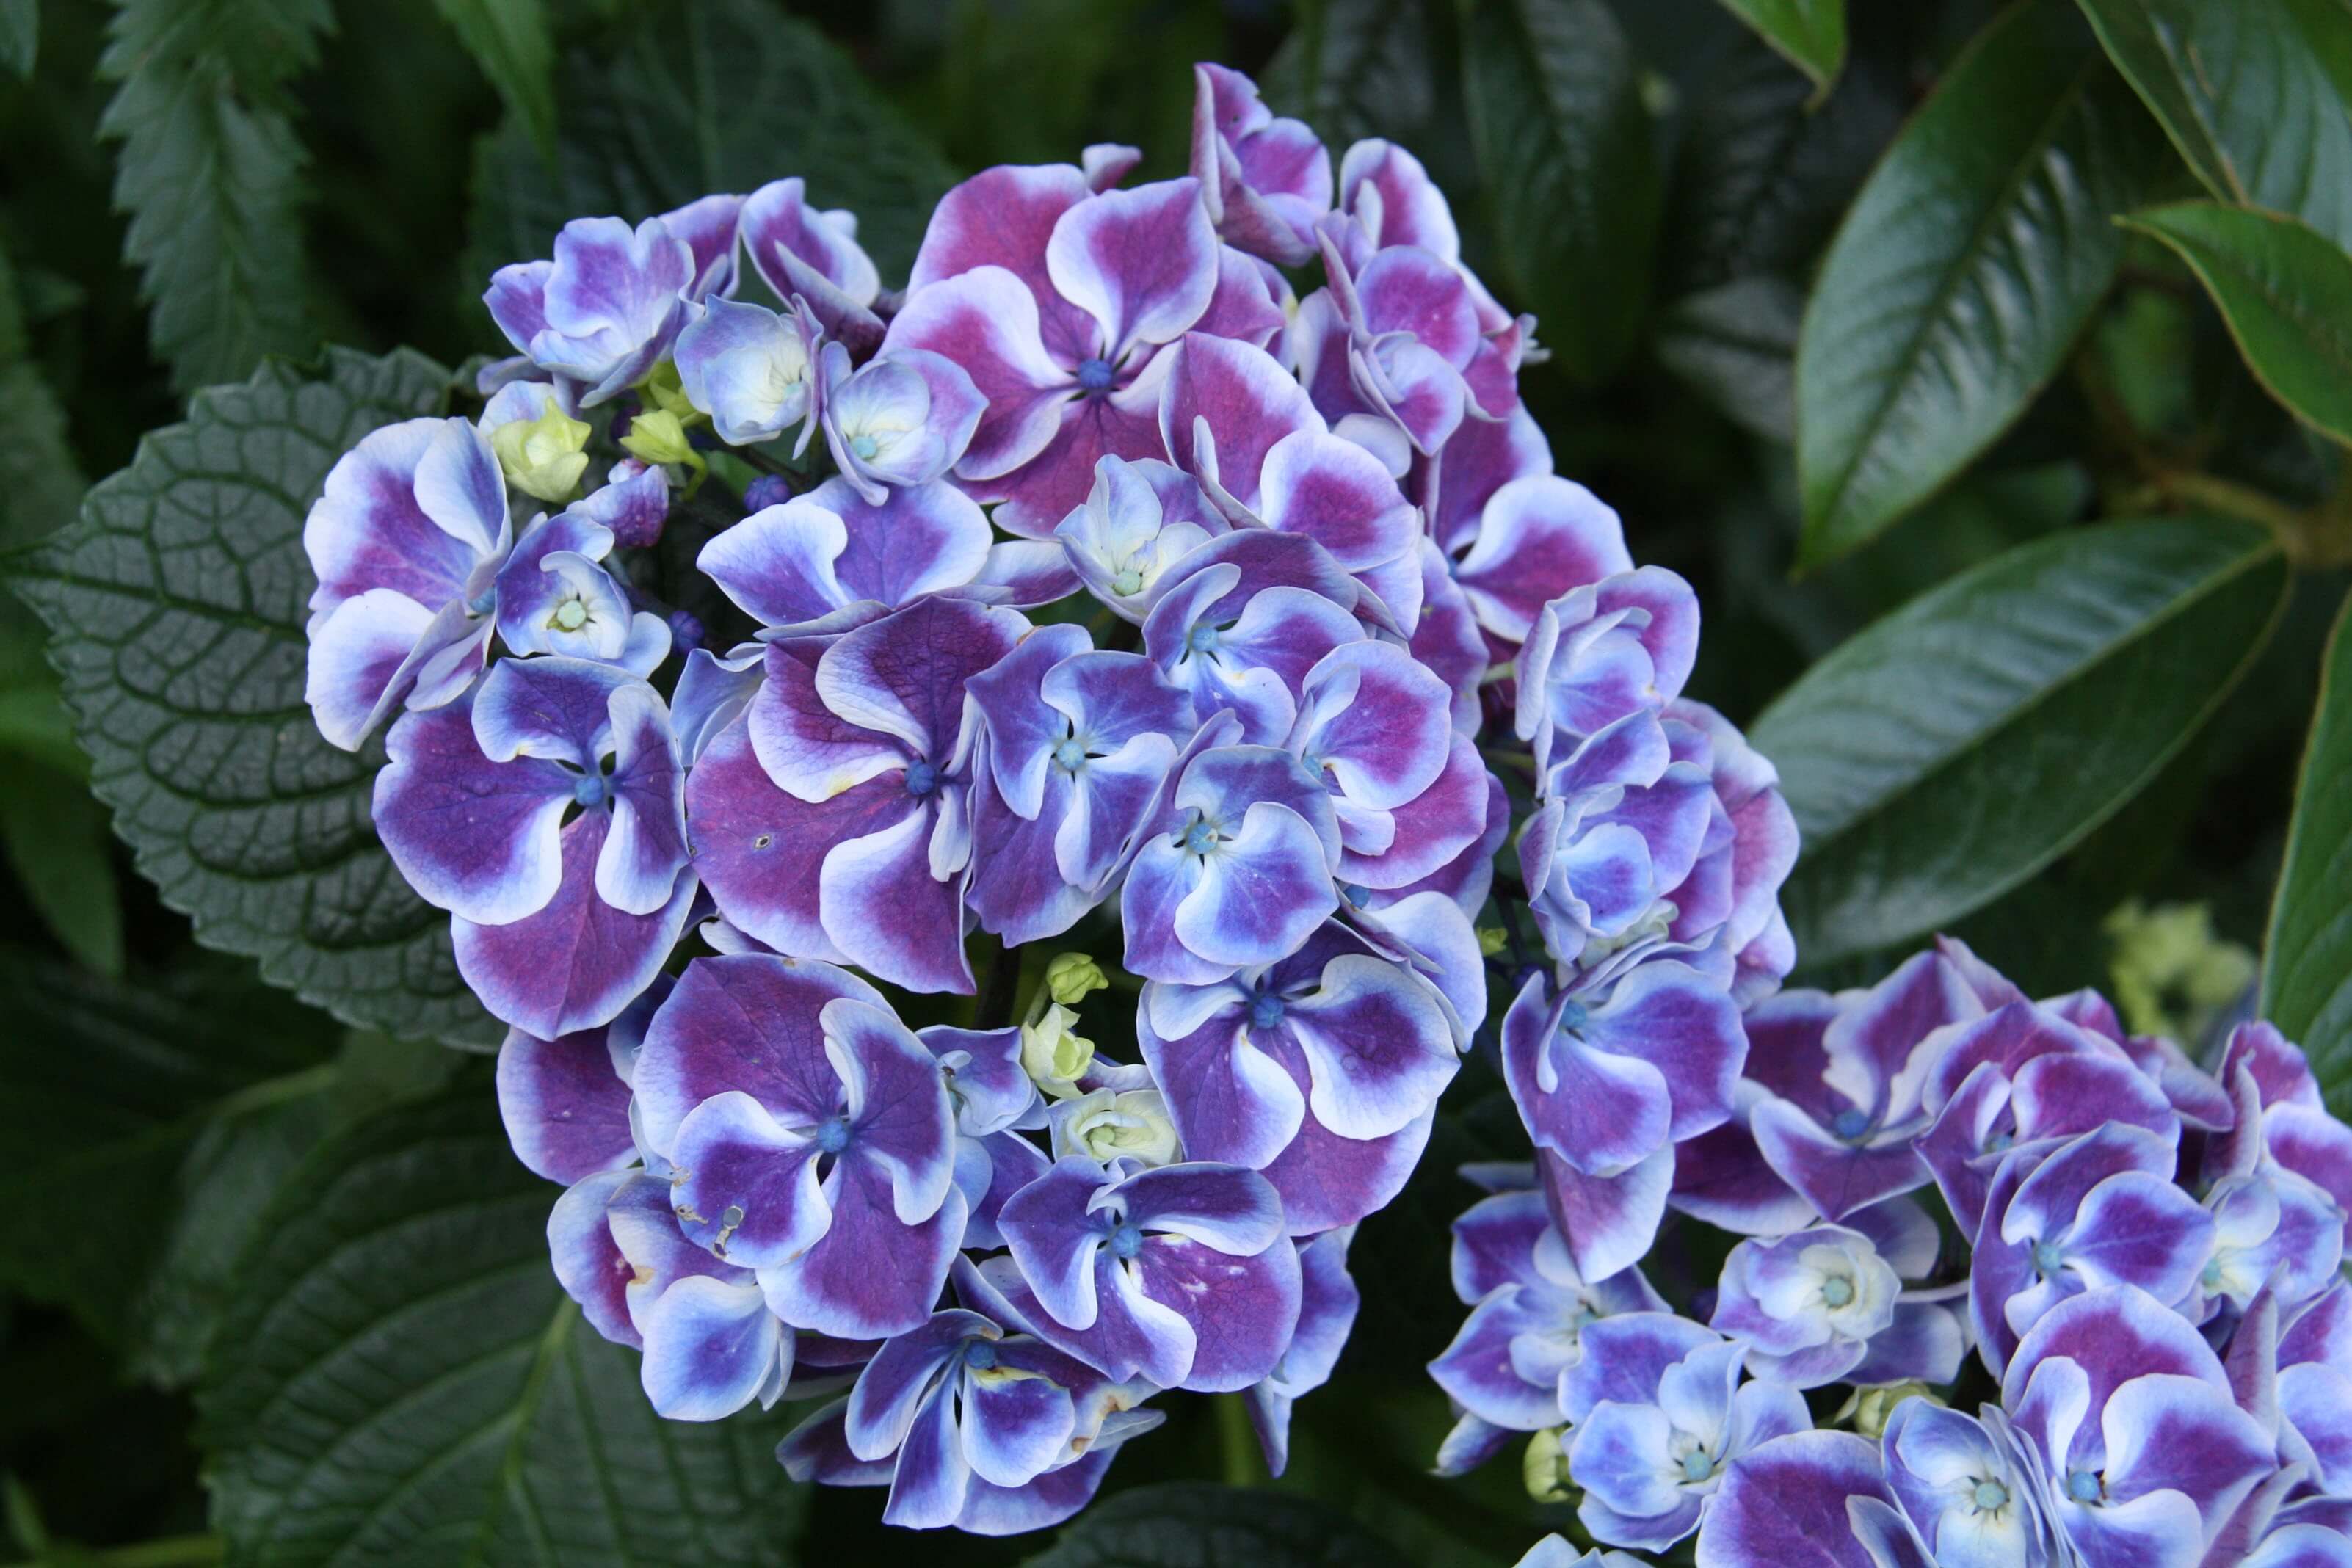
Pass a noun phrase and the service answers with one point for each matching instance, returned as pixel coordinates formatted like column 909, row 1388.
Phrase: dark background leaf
column 2307, row 961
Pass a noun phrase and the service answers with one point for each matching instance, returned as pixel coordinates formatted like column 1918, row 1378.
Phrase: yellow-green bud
column 1492, row 941
column 1868, row 1408
column 543, row 458
column 1052, row 1055
column 1103, row 1125
column 1071, row 976
column 1544, row 1466
column 2171, row 973
column 667, row 392
column 658, row 436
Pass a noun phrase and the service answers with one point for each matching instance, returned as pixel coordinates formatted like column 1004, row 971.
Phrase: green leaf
column 1184, row 1524
column 209, row 173
column 514, row 43
column 1733, row 343
column 20, row 36
column 57, row 844
column 2285, row 290
column 176, row 607
column 1353, row 68
column 400, row 1381
column 1953, row 749
column 1964, row 271
column 1567, row 154
column 2251, row 92
column 1809, row 33
column 113, row 1084
column 2308, row 957
column 723, row 96
column 40, row 483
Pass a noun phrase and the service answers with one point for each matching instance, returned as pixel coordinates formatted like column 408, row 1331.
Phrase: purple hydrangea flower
column 1796, row 1499
column 1263, row 180
column 1322, row 1070
column 1140, row 519
column 569, row 883
column 1180, row 1274
column 1826, row 1304
column 1620, row 646
column 901, row 419
column 814, row 255
column 565, row 1102
column 1529, row 1310
column 1328, row 1302
column 1966, row 1490
column 1391, row 337
column 1658, row 1411
column 753, row 370
column 811, row 1139
column 607, row 309
column 1244, row 619
column 833, row 819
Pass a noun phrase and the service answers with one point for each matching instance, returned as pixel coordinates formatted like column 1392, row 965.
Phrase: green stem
column 1236, row 1441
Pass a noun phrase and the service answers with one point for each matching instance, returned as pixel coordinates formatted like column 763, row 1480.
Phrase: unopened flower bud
column 1052, row 1055
column 767, row 490
column 1492, row 941
column 1133, row 1124
column 659, row 435
column 1544, row 1466
column 1071, row 976
column 666, row 393
column 1868, row 1408
column 542, row 457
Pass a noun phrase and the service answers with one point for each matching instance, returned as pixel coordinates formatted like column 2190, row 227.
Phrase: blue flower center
column 1126, row 1241
column 588, row 789
column 862, row 447
column 1697, row 1466
column 2082, row 1486
column 570, row 616
column 1573, row 1016
column 1357, row 897
column 1094, row 374
column 2047, row 1258
column 1837, row 1290
column 1071, row 754
column 2211, row 1277
column 483, row 602
column 1999, row 1142
column 1850, row 1123
column 1201, row 837
column 1991, row 1496
column 1126, row 581
column 1203, row 638
column 1264, row 1010
column 923, row 778
column 833, row 1136
column 979, row 1355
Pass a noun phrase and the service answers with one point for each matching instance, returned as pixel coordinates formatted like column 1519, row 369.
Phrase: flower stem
column 1236, row 1441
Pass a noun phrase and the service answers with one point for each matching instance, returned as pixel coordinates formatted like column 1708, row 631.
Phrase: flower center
column 1126, row 581
column 1201, row 837
column 570, row 616
column 1071, row 754
column 863, row 447
column 923, row 778
column 2082, row 1486
column 979, row 1356
column 2212, row 1276
column 588, row 789
column 1264, row 1010
column 1573, row 1016
column 1837, row 1290
column 1094, row 374
column 483, row 602
column 1203, row 638
column 1991, row 1496
column 2047, row 1258
column 1850, row 1123
column 832, row 1137
column 1697, row 1466
column 1126, row 1241
column 1357, row 897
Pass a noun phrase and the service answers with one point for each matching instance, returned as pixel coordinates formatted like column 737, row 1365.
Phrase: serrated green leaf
column 40, row 483
column 1964, row 271
column 20, row 36
column 1948, row 751
column 2307, row 956
column 1733, row 344
column 209, row 173
column 514, row 43
column 113, row 1084
column 1566, row 149
column 713, row 96
column 1809, row 33
column 401, row 1381
column 1354, row 69
column 2250, row 92
column 1761, row 173
column 2285, row 290
column 176, row 607
column 1183, row 1524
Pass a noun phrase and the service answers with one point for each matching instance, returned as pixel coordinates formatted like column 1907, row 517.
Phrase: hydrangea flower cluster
column 1940, row 1189
column 1093, row 591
